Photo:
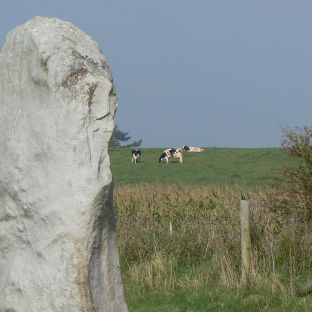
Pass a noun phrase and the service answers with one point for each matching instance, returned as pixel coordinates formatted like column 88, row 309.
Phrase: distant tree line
column 119, row 138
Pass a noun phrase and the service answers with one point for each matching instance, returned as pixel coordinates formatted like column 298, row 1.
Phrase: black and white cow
column 136, row 155
column 193, row 149
column 171, row 153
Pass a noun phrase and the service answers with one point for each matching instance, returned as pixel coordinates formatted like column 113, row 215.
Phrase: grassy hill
column 214, row 166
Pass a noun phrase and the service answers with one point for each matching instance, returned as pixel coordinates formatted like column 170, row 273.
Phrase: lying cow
column 136, row 155
column 192, row 149
column 171, row 153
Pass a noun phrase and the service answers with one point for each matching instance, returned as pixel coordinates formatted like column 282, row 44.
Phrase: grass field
column 219, row 299
column 215, row 166
column 196, row 267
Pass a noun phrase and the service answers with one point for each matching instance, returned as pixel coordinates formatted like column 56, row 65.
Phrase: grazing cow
column 171, row 153
column 192, row 149
column 136, row 155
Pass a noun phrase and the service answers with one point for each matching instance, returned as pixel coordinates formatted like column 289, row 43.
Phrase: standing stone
column 57, row 225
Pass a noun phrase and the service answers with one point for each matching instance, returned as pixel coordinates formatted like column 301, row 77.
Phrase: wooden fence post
column 245, row 242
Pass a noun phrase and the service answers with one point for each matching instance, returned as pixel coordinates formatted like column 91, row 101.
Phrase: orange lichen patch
column 74, row 76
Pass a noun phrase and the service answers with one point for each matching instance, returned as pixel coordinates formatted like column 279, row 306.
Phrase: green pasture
column 218, row 299
column 214, row 166
column 197, row 269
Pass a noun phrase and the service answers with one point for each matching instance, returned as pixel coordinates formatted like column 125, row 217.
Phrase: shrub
column 297, row 179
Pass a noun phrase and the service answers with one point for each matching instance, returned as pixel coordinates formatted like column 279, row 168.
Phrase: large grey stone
column 57, row 224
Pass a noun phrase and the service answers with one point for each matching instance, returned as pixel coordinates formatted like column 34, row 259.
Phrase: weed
column 203, row 245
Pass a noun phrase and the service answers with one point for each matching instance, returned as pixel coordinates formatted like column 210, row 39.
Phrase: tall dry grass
column 181, row 237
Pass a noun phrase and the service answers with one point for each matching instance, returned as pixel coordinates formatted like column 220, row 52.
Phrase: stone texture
column 57, row 224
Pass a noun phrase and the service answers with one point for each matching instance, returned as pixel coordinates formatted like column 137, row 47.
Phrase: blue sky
column 209, row 73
